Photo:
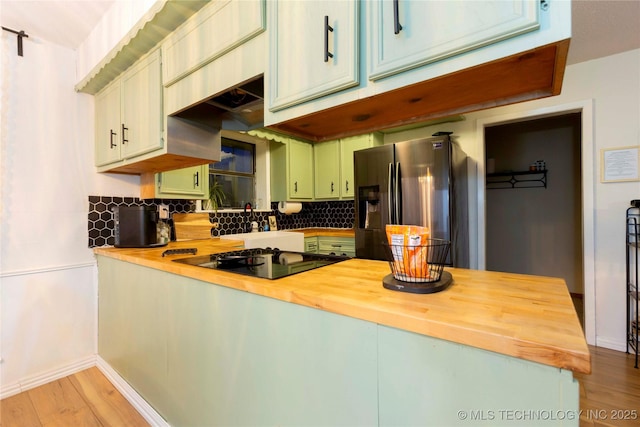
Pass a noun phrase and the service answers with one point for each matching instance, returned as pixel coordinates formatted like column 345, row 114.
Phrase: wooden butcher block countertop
column 529, row 317
column 326, row 232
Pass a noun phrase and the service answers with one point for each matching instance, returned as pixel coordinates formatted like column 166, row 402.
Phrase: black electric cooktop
column 264, row 263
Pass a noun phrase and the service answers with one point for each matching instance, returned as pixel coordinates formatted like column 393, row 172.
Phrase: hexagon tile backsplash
column 338, row 214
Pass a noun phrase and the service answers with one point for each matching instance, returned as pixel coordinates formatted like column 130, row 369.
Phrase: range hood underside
column 534, row 74
column 240, row 108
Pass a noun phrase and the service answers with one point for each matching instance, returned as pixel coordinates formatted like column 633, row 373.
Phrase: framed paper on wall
column 620, row 164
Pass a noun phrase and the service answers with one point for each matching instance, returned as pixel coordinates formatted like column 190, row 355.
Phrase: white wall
column 48, row 288
column 113, row 27
column 612, row 84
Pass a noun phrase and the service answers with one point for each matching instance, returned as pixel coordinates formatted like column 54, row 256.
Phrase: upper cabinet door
column 347, row 147
column 190, row 182
column 141, row 115
column 300, row 177
column 108, row 128
column 405, row 34
column 326, row 157
column 313, row 50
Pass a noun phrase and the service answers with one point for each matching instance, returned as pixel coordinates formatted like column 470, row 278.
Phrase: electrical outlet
column 163, row 211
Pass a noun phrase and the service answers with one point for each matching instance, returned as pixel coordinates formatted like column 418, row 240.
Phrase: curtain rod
column 20, row 35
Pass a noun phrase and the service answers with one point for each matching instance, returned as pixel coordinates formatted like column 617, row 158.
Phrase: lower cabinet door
column 311, row 245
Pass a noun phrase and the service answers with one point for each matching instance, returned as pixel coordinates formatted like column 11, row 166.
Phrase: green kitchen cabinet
column 311, row 245
column 347, row 147
column 108, row 125
column 187, row 183
column 337, row 246
column 301, row 170
column 216, row 30
column 129, row 119
column 398, row 43
column 291, row 170
column 333, row 162
column 412, row 56
column 223, row 46
column 313, row 50
column 326, row 159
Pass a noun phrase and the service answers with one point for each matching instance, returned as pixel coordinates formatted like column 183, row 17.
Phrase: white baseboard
column 147, row 412
column 611, row 344
column 42, row 378
column 129, row 393
column 10, row 390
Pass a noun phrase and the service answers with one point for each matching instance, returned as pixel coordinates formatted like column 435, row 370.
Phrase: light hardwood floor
column 611, row 394
column 87, row 398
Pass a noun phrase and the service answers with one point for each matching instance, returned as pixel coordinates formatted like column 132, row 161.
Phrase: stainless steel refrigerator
column 418, row 182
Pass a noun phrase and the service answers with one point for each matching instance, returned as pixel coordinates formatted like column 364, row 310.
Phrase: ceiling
column 66, row 23
column 600, row 27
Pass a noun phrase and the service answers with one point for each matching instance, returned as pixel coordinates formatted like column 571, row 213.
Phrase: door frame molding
column 589, row 181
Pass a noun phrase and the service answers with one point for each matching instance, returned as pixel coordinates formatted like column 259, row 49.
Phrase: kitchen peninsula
column 331, row 346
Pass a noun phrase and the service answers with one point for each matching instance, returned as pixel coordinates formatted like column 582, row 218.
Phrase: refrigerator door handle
column 390, row 198
column 398, row 194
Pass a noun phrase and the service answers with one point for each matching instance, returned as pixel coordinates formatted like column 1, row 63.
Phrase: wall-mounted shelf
column 517, row 179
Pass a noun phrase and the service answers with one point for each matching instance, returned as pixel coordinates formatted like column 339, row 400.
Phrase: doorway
column 533, row 200
column 589, row 180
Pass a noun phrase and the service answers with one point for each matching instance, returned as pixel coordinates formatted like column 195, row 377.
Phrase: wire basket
column 418, row 264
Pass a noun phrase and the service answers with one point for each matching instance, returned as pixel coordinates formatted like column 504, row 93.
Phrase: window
column 235, row 172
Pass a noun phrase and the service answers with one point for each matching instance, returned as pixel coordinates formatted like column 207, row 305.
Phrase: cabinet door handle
column 196, row 179
column 346, row 187
column 333, row 245
column 111, row 143
column 332, row 186
column 124, row 140
column 327, row 28
column 396, row 19
column 295, row 187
